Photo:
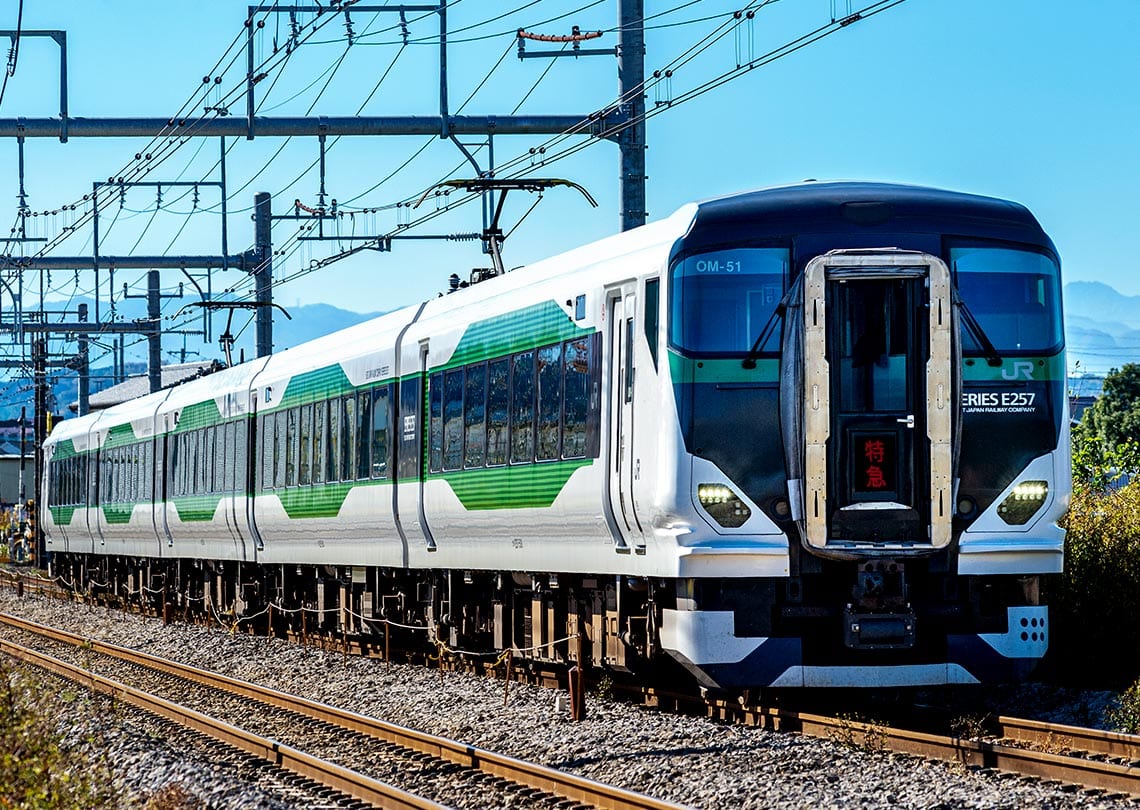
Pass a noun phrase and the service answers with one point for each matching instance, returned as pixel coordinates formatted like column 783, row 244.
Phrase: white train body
column 579, row 497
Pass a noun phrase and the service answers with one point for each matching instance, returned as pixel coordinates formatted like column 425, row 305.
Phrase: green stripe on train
column 537, row 325
column 526, row 486
column 196, row 508
column 64, row 450
column 321, row 501
column 117, row 514
column 1012, row 369
column 120, row 436
column 62, row 515
column 689, row 370
column 1015, row 369
column 198, row 415
column 312, row 386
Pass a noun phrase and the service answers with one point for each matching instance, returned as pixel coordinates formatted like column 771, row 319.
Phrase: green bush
column 1125, row 716
column 1096, row 606
column 39, row 767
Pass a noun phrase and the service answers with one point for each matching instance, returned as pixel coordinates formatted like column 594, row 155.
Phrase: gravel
column 687, row 760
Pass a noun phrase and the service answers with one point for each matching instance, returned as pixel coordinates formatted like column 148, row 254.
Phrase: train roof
column 890, row 207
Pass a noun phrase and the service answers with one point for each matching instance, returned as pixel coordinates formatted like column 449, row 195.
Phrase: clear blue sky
column 1022, row 99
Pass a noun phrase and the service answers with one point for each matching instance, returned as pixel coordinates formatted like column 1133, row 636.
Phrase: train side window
column 629, row 360
column 334, row 441
column 348, row 437
column 576, row 404
column 380, row 419
column 191, row 456
column 453, row 419
column 264, row 452
column 241, row 446
column 230, row 455
column 203, row 472
column 320, row 442
column 210, row 472
column 186, row 465
column 191, row 463
column 146, row 486
column 498, row 410
column 222, row 452
column 549, row 401
column 305, row 444
column 175, row 465
column 435, row 426
column 194, row 446
column 652, row 315
column 363, row 434
column 474, row 416
column 278, row 449
column 291, row 434
column 522, row 407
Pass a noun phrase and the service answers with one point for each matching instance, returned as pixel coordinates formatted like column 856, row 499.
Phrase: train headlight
column 1023, row 503
column 723, row 505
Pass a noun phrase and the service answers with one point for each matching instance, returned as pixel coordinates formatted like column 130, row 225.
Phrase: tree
column 1115, row 418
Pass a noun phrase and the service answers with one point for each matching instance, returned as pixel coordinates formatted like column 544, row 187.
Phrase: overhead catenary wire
column 553, row 156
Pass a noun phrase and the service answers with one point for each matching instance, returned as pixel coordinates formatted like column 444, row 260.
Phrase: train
column 813, row 435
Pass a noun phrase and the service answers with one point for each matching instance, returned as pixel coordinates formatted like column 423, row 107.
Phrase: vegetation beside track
column 43, row 765
column 1096, row 602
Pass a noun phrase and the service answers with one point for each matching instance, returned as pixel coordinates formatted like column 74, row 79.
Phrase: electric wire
column 14, row 54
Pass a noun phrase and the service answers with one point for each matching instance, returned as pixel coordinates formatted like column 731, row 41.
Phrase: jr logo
column 1021, row 370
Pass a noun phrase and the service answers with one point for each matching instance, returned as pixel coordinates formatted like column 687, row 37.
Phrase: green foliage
column 1098, row 466
column 38, row 768
column 1115, row 417
column 1125, row 716
column 1096, row 607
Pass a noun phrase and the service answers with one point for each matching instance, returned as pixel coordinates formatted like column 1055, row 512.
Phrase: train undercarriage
column 881, row 620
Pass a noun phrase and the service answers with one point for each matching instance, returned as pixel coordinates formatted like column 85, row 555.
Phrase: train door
column 878, row 401
column 169, row 470
column 248, row 486
column 621, row 309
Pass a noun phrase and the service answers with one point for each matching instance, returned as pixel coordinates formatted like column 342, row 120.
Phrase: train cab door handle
column 908, row 421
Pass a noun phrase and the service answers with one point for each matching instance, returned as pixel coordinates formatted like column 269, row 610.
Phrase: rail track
column 504, row 772
column 1094, row 759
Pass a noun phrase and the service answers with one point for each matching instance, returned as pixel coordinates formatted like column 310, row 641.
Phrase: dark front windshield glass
column 1014, row 294
column 723, row 299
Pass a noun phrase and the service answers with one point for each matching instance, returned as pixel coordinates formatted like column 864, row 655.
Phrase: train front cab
column 901, row 573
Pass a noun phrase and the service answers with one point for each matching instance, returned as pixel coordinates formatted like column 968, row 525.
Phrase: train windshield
column 1014, row 294
column 723, row 299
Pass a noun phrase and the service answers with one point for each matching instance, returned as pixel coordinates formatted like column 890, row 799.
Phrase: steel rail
column 1048, row 751
column 1092, row 773
column 540, row 777
column 326, row 773
column 1055, row 736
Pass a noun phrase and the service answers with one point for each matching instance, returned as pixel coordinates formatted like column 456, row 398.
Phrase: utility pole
column 83, row 367
column 154, row 339
column 23, row 450
column 631, row 86
column 39, row 374
column 263, row 270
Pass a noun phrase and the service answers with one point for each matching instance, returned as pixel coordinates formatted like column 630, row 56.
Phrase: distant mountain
column 1102, row 332
column 308, row 322
column 1102, row 326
